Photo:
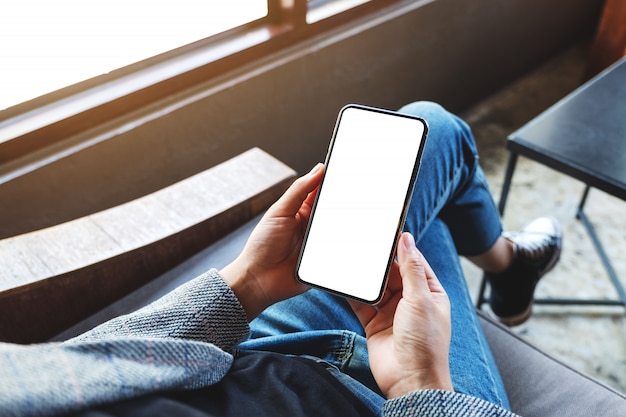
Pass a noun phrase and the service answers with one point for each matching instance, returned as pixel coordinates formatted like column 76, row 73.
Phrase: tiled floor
column 592, row 339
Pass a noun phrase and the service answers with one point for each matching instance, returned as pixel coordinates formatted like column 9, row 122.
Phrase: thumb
column 297, row 193
column 414, row 269
column 417, row 275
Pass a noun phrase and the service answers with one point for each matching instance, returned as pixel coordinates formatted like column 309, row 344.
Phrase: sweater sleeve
column 439, row 403
column 179, row 341
column 204, row 309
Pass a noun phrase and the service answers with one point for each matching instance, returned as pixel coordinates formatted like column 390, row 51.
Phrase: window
column 83, row 63
column 46, row 45
column 322, row 9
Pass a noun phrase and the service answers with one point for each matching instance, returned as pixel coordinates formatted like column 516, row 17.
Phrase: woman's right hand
column 408, row 332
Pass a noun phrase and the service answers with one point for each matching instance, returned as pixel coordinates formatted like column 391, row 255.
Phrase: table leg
column 601, row 253
column 508, row 176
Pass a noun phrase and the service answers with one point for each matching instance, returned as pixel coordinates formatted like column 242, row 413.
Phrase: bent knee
column 424, row 109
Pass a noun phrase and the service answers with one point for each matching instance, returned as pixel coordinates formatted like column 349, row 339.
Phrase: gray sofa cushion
column 540, row 385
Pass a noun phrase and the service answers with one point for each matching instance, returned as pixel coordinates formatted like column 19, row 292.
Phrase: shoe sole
column 520, row 318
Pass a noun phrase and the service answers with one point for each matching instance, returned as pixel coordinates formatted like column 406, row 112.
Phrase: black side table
column 584, row 137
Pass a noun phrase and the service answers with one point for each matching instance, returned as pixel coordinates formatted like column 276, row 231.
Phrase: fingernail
column 408, row 241
column 316, row 168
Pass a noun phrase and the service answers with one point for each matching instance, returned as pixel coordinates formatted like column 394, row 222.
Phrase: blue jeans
column 452, row 213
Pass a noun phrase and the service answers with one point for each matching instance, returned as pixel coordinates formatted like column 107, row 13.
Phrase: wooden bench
column 54, row 277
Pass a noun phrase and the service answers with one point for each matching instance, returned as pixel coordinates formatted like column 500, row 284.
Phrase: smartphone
column 370, row 170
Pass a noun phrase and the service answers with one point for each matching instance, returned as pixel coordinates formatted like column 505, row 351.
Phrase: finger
column 389, row 301
column 434, row 285
column 299, row 192
column 307, row 206
column 394, row 281
column 416, row 266
column 412, row 266
column 310, row 199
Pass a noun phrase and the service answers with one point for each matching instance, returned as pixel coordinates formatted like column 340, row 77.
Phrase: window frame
column 29, row 127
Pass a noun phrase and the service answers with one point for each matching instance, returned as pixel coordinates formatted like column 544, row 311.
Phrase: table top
column 584, row 134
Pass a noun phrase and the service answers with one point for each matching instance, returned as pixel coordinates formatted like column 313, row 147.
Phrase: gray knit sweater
column 181, row 341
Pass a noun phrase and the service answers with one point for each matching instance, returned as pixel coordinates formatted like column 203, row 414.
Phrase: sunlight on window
column 46, row 45
column 321, row 9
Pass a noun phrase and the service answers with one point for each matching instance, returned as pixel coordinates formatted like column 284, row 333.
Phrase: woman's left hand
column 264, row 273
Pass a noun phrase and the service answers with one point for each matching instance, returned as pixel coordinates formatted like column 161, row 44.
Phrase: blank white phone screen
column 371, row 166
